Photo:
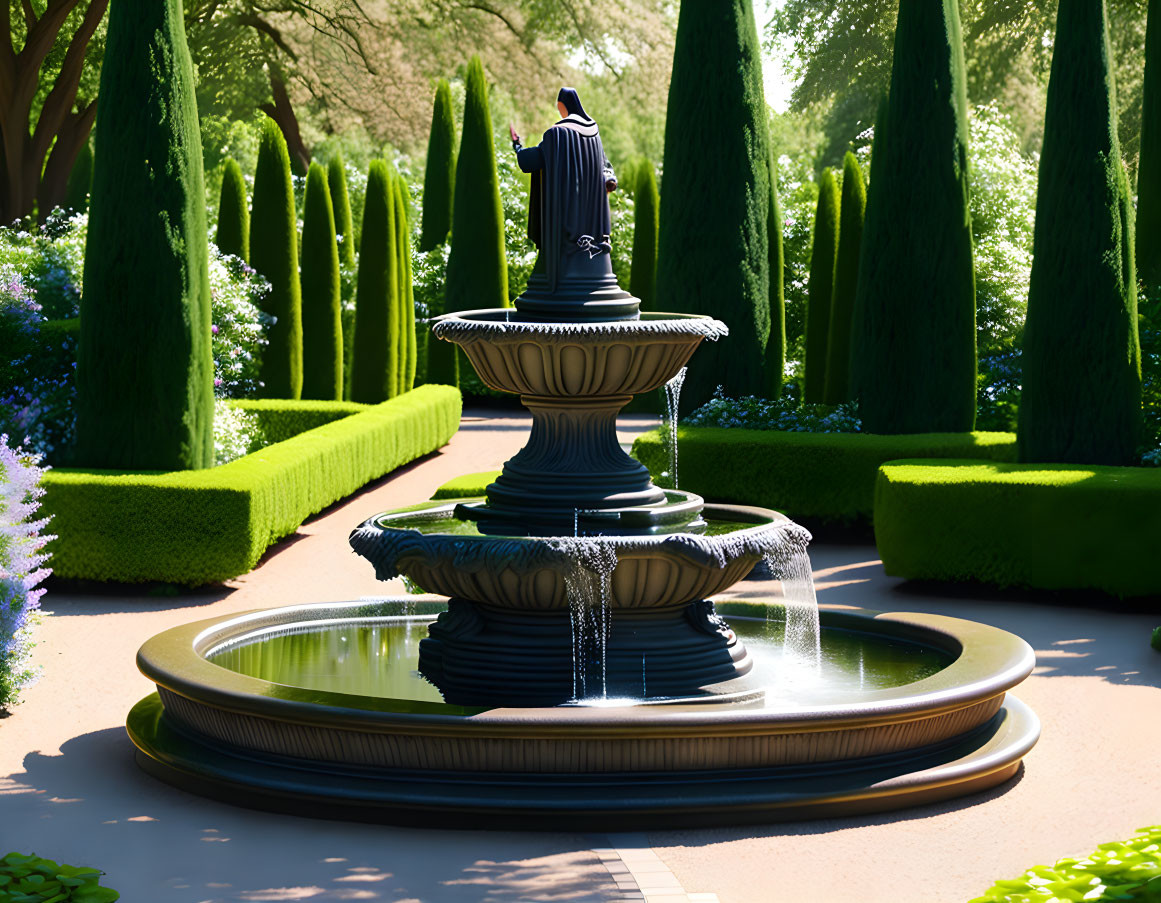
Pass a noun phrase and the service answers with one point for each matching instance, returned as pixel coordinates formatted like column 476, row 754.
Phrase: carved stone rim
column 504, row 325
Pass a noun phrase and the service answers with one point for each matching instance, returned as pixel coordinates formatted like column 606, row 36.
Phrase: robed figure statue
column 568, row 221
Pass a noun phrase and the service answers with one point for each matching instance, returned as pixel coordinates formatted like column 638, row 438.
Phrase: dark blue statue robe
column 569, row 209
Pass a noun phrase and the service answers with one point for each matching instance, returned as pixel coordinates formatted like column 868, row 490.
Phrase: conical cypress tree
column 80, row 180
column 322, row 326
column 823, row 257
column 1149, row 172
column 145, row 369
column 776, row 259
column 846, row 281
column 914, row 352
column 274, row 254
column 375, row 368
column 233, row 235
column 406, row 347
column 440, row 174
column 477, row 270
column 1081, row 398
column 646, row 201
column 713, row 251
column 341, row 205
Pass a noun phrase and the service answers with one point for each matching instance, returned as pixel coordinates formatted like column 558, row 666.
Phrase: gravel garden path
column 69, row 788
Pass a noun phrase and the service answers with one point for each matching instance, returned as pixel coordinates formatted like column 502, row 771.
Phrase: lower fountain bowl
column 289, row 745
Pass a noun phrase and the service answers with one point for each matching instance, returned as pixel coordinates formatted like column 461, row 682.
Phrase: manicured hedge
column 201, row 527
column 821, row 478
column 284, row 418
column 470, row 485
column 1057, row 526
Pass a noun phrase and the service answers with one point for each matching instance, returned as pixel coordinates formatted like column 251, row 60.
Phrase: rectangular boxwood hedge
column 819, row 478
column 282, row 419
column 196, row 527
column 1055, row 527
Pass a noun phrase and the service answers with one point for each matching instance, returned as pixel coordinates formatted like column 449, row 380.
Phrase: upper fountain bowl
column 516, row 354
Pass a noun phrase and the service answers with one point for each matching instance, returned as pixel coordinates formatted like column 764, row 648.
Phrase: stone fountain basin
column 528, row 573
column 254, row 742
column 559, row 360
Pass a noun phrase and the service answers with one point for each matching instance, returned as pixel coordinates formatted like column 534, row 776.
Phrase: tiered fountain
column 579, row 675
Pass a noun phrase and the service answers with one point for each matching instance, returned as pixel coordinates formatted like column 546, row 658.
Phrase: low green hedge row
column 820, row 478
column 1022, row 525
column 282, row 419
column 1115, row 871
column 197, row 527
column 469, row 485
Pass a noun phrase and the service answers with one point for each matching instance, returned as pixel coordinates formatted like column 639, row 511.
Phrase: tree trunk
column 282, row 112
column 71, row 138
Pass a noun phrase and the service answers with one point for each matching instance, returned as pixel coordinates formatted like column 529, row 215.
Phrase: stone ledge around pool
column 1033, row 526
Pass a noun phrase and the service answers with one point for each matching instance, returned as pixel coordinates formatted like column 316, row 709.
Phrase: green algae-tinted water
column 379, row 657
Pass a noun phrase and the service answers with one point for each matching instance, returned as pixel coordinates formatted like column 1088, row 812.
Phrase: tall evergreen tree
column 713, row 251
column 1149, row 170
column 322, row 325
column 846, row 281
column 914, row 348
column 145, row 368
column 823, row 258
column 341, row 205
column 776, row 259
column 406, row 346
column 375, row 368
column 233, row 235
column 1081, row 399
column 646, row 201
column 274, row 254
column 477, row 269
column 80, row 180
column 440, row 174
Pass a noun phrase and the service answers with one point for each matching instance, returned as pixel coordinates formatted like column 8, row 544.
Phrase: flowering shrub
column 239, row 326
column 21, row 567
column 50, row 260
column 786, row 414
column 236, row 433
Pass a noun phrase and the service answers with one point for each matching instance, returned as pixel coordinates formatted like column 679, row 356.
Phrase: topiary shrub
column 80, row 180
column 322, row 326
column 233, row 235
column 1148, row 239
column 646, row 204
column 776, row 259
column 822, row 274
column 374, row 364
column 846, row 283
column 281, row 419
column 913, row 365
column 33, row 879
column 713, row 243
column 1081, row 397
column 274, row 254
column 341, row 206
column 405, row 348
column 1053, row 527
column 439, row 175
column 145, row 370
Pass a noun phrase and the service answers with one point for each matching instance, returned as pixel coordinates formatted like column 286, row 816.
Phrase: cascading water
column 669, row 433
column 589, row 585
column 801, row 643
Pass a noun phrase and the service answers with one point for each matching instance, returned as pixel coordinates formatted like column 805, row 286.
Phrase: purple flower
column 214, row 329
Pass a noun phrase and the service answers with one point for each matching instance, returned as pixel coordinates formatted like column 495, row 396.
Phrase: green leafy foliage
column 1081, row 399
column 816, row 477
column 1156, row 641
column 439, row 174
column 145, row 366
column 233, row 235
column 33, row 879
column 211, row 525
column 846, row 282
column 322, row 327
column 776, row 260
column 341, row 205
column 1149, row 171
column 375, row 367
column 643, row 276
column 785, row 413
column 80, row 180
column 274, row 254
column 280, row 419
column 713, row 242
column 477, row 271
column 823, row 259
column 913, row 365
column 1016, row 524
column 1129, row 870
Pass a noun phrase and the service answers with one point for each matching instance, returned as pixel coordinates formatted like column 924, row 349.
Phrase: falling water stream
column 672, row 398
column 589, row 585
column 801, row 642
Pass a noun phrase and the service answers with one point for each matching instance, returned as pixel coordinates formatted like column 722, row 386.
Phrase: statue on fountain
column 569, row 221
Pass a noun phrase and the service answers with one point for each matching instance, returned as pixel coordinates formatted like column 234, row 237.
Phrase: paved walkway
column 72, row 791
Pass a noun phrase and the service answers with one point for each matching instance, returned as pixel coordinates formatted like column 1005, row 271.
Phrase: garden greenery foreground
column 938, row 256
